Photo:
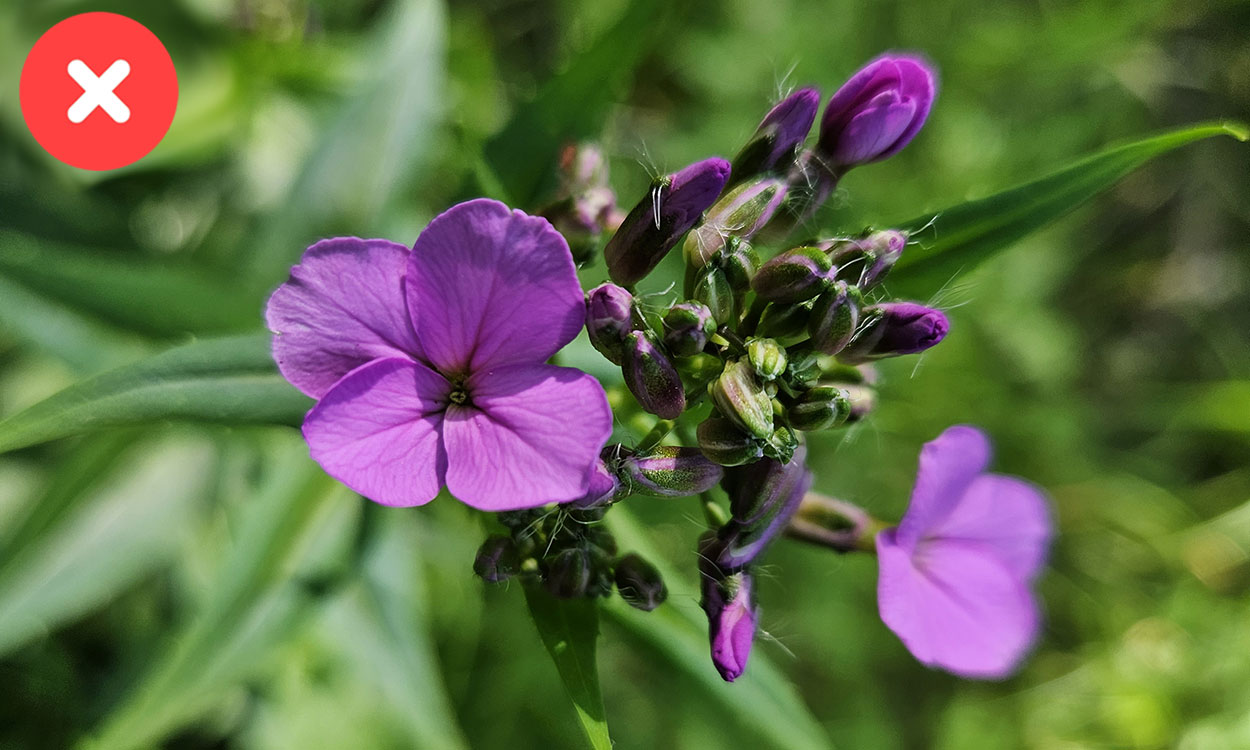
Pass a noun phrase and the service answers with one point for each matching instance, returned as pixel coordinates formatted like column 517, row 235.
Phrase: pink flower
column 956, row 573
column 429, row 364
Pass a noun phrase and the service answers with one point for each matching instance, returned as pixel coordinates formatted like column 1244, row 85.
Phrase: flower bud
column 819, row 408
column 804, row 368
column 763, row 496
column 603, row 481
column 608, row 319
column 651, row 376
column 497, row 559
column 639, row 583
column 687, row 327
column 741, row 213
column 729, row 603
column 711, row 287
column 670, row 471
column 794, row 276
column 834, row 317
column 862, row 398
column 883, row 250
column 740, row 262
column 876, row 113
column 674, row 205
column 725, row 443
column 779, row 136
column 785, row 322
column 738, row 396
column 583, row 166
column 896, row 328
column 568, row 574
column 767, row 357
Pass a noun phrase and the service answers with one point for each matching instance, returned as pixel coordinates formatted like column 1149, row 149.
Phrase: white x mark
column 98, row 92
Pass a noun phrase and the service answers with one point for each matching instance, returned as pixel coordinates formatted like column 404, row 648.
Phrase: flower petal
column 871, row 134
column 1007, row 514
column 343, row 306
column 488, row 286
column 948, row 465
column 530, row 438
column 379, row 431
column 956, row 607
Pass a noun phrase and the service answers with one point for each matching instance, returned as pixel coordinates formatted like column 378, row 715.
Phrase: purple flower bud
column 741, row 213
column 834, row 318
column 582, row 166
column 725, row 443
column 608, row 319
column 762, row 498
column 603, row 482
column 687, row 326
column 670, row 471
column 497, row 559
column 876, row 113
column 896, row 328
column 883, row 249
column 729, row 602
column 794, row 276
column 639, row 583
column 740, row 398
column 779, row 136
column 651, row 376
column 568, row 574
column 674, row 205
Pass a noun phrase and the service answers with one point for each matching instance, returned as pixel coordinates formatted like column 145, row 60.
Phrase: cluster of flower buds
column 584, row 209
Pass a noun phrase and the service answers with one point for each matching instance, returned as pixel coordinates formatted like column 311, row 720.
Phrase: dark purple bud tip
column 608, row 319
column 877, row 112
column 673, row 207
column 639, row 583
column 731, row 617
column 497, row 559
column 603, row 483
column 779, row 136
column 896, row 328
column 651, row 376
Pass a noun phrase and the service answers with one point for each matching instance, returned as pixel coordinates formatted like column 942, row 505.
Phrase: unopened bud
column 794, row 276
column 804, row 367
column 712, row 288
column 877, row 112
column 895, row 328
column 862, row 398
column 497, row 559
column 738, row 395
column 568, row 574
column 767, row 357
column 763, row 496
column 884, row 249
column 603, row 482
column 725, row 443
column 729, row 602
column 699, row 370
column 741, row 213
column 674, row 205
column 651, row 376
column 687, row 327
column 785, row 322
column 670, row 471
column 819, row 408
column 740, row 262
column 639, row 583
column 779, row 136
column 608, row 319
column 834, row 317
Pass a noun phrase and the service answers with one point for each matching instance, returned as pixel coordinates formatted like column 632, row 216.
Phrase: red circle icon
column 98, row 91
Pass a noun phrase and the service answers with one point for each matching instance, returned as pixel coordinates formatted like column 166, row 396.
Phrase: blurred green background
column 199, row 587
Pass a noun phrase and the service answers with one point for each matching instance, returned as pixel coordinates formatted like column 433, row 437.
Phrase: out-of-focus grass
column 1106, row 356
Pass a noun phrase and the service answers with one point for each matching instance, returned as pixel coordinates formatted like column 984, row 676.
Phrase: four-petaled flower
column 956, row 573
column 429, row 364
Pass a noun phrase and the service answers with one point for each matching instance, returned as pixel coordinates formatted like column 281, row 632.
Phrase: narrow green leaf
column 762, row 700
column 228, row 380
column 962, row 236
column 569, row 629
column 144, row 296
column 573, row 104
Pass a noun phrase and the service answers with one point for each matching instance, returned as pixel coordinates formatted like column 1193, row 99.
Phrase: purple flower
column 674, row 205
column 895, row 328
column 876, row 113
column 429, row 364
column 956, row 572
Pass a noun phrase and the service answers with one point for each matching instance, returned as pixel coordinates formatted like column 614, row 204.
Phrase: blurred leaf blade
column 230, row 380
column 569, row 629
column 962, row 236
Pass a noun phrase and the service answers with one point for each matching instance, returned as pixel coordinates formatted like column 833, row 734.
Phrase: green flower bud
column 669, row 471
column 820, row 408
column 784, row 322
column 711, row 287
column 687, row 327
column 835, row 315
column 725, row 443
column 740, row 263
column 739, row 396
column 741, row 212
column 794, row 276
column 767, row 357
column 639, row 583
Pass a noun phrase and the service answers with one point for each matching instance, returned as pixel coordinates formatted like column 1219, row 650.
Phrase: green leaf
column 762, row 700
column 228, row 380
column 144, row 296
column 569, row 629
column 962, row 236
column 84, row 344
column 570, row 106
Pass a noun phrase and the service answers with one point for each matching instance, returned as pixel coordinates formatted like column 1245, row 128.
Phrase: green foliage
column 569, row 629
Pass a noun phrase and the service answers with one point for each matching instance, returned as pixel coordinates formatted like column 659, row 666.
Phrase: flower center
column 459, row 394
